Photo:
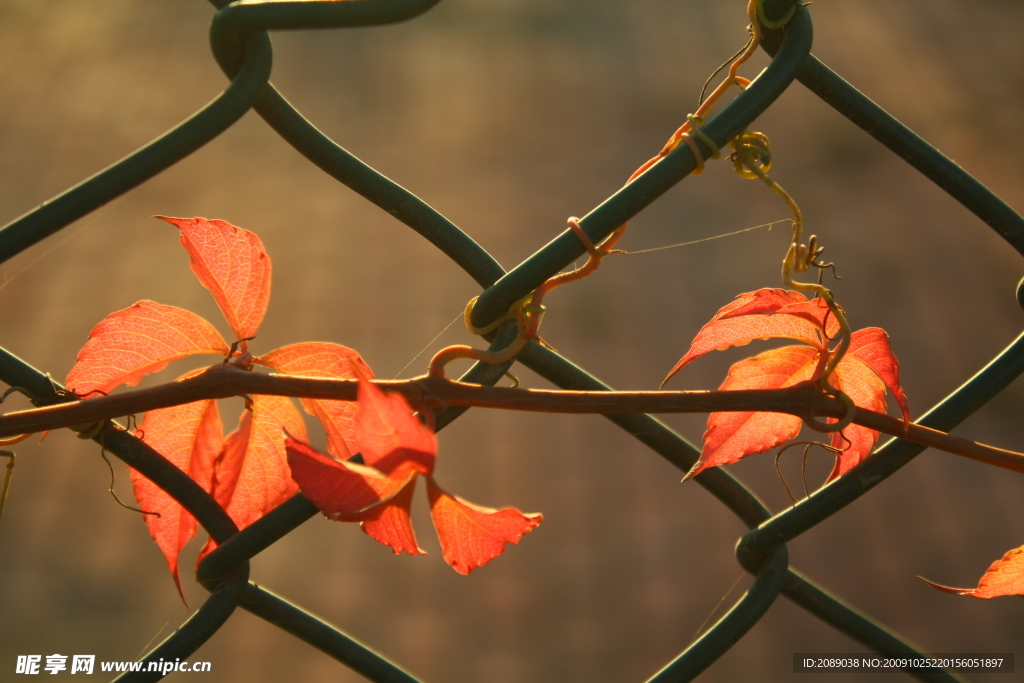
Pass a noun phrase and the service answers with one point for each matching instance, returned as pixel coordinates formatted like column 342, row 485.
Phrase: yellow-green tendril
column 511, row 314
column 752, row 158
column 695, row 129
column 528, row 311
column 768, row 23
column 89, row 431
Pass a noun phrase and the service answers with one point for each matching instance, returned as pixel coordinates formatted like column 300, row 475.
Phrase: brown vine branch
column 805, row 400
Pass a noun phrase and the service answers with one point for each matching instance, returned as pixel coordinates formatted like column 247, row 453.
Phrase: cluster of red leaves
column 868, row 367
column 396, row 447
column 251, row 470
column 266, row 459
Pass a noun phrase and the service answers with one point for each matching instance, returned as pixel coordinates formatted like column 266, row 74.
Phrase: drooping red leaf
column 252, row 477
column 858, row 381
column 331, row 361
column 191, row 437
column 471, row 535
column 389, row 522
column 143, row 338
column 759, row 315
column 388, row 434
column 1004, row 577
column 871, row 345
column 343, row 491
column 232, row 264
column 731, row 436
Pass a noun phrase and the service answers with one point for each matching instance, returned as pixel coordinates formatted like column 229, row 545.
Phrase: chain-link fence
column 242, row 48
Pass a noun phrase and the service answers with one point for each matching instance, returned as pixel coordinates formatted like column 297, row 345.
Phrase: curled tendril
column 110, row 489
column 726, row 63
column 752, row 155
column 10, row 391
column 851, row 412
column 10, row 441
column 695, row 131
column 90, row 431
column 803, row 468
column 14, row 439
column 528, row 311
column 762, row 16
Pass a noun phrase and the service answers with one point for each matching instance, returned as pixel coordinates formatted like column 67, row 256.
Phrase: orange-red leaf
column 871, row 345
column 767, row 300
column 191, row 437
column 252, row 477
column 348, row 492
column 232, row 264
column 1004, row 577
column 143, row 338
column 343, row 491
column 331, row 361
column 471, row 535
column 763, row 314
column 816, row 312
column 388, row 434
column 389, row 522
column 734, row 435
column 857, row 380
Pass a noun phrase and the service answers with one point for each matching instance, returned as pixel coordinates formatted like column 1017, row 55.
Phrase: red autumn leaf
column 343, row 491
column 1004, row 577
column 143, row 338
column 767, row 300
column 389, row 522
column 348, row 492
column 858, row 381
column 871, row 345
column 471, row 535
column 388, row 434
column 732, row 436
column 331, row 361
column 252, row 476
column 232, row 264
column 191, row 437
column 868, row 367
column 756, row 315
column 816, row 312
column 391, row 439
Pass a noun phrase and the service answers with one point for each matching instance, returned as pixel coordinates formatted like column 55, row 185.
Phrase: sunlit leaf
column 233, row 265
column 143, row 338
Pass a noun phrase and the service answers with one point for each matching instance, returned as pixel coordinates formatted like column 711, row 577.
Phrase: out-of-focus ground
column 508, row 117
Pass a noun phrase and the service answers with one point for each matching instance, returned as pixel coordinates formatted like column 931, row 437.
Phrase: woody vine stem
column 226, row 380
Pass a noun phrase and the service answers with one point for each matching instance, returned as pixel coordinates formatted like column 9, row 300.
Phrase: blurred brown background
column 508, row 117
